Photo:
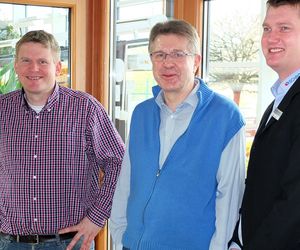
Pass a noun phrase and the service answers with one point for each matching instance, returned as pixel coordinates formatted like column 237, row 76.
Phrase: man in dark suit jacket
column 270, row 212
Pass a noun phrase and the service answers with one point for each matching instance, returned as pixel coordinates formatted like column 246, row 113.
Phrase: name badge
column 277, row 113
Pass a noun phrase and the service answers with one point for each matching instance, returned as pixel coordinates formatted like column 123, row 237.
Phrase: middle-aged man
column 182, row 176
column 270, row 213
column 53, row 143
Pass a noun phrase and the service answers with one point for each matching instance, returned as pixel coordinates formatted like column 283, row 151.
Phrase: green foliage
column 6, row 34
column 8, row 79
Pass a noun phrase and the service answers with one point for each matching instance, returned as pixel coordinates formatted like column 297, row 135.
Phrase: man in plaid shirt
column 54, row 142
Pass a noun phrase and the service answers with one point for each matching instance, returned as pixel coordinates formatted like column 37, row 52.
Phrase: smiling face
column 174, row 76
column 36, row 68
column 281, row 39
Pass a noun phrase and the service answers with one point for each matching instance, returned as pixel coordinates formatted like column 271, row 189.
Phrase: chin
column 273, row 65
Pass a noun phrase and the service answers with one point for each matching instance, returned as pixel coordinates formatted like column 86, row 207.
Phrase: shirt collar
column 192, row 99
column 52, row 99
column 282, row 87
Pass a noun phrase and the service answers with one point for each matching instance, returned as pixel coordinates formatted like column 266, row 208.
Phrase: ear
column 58, row 68
column 16, row 65
column 197, row 62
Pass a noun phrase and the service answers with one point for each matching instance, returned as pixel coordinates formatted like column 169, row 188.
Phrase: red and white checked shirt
column 50, row 162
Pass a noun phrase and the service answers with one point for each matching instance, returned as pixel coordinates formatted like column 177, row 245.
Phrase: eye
column 159, row 55
column 266, row 29
column 24, row 60
column 43, row 62
column 178, row 54
column 284, row 28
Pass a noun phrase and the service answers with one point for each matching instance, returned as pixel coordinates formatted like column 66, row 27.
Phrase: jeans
column 55, row 244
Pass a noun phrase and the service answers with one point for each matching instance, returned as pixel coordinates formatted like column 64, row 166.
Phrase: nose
column 271, row 36
column 167, row 58
column 34, row 66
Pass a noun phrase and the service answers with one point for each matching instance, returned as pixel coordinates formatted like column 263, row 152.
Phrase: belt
column 34, row 239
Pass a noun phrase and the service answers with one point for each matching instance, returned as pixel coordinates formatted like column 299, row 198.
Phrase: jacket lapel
column 295, row 89
column 264, row 119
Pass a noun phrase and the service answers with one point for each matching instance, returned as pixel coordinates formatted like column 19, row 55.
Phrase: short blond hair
column 42, row 37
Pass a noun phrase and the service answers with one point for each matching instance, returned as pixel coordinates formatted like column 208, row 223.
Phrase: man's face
column 36, row 68
column 281, row 39
column 174, row 75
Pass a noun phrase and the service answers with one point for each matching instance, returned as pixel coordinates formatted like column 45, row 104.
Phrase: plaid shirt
column 50, row 162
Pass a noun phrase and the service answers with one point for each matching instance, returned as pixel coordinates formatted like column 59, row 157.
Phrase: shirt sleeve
column 105, row 150
column 231, row 181
column 118, row 220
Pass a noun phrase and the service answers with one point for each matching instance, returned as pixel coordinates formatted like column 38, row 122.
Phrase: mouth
column 276, row 50
column 33, row 78
column 168, row 75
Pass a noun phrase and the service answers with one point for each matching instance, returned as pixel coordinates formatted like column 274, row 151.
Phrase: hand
column 85, row 228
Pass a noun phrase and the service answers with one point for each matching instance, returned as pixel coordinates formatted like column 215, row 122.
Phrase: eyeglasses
column 176, row 55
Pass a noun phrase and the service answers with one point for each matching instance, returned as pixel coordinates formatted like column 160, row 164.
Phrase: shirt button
column 35, row 220
column 34, row 198
column 36, row 136
column 37, row 117
column 35, row 156
column 34, row 177
column 48, row 110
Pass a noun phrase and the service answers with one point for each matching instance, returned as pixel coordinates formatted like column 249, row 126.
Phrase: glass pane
column 15, row 21
column 234, row 61
column 133, row 79
column 134, row 10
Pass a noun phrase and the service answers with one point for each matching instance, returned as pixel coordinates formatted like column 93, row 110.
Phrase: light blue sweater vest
column 174, row 209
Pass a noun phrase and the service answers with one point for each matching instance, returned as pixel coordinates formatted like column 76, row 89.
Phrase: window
column 233, row 64
column 15, row 21
column 133, row 79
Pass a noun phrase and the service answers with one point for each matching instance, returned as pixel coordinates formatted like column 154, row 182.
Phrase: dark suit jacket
column 270, row 209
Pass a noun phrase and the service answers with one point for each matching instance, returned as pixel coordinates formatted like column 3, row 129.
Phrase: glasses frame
column 175, row 55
